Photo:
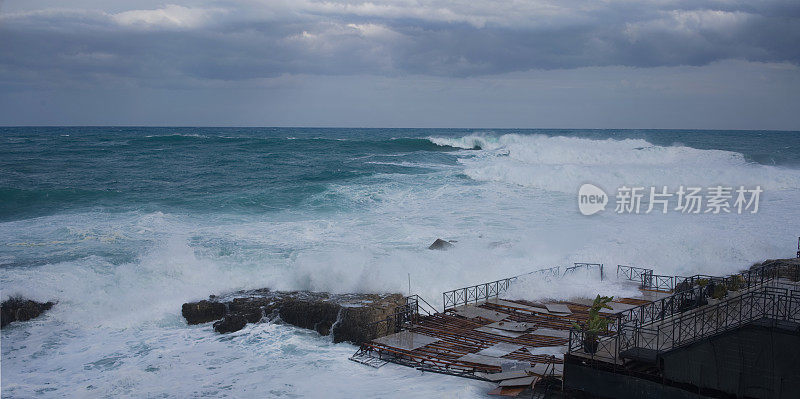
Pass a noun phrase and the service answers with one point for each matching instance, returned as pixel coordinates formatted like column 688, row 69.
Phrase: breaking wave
column 558, row 163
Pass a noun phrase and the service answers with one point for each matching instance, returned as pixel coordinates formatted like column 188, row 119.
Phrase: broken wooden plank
column 406, row 340
column 506, row 375
column 520, row 382
column 472, row 311
column 557, row 351
column 499, row 350
column 551, row 332
column 502, row 333
column 558, row 308
column 511, row 326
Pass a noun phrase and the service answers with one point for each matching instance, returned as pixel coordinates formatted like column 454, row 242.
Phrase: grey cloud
column 231, row 41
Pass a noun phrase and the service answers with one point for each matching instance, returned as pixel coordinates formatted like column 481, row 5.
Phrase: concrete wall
column 754, row 361
column 593, row 382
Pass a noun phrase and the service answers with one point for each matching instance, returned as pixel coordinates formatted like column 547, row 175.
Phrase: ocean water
column 123, row 225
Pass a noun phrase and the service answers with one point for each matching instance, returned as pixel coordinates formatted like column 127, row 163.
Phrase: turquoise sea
column 121, row 225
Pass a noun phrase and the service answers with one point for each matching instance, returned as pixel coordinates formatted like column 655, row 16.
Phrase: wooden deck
column 464, row 340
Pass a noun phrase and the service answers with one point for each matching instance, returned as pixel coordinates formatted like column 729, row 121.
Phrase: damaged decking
column 483, row 334
column 512, row 342
column 520, row 344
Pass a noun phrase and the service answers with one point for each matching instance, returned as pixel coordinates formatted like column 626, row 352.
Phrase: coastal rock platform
column 346, row 317
column 21, row 309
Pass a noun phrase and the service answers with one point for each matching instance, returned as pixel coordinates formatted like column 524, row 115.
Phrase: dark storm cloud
column 240, row 40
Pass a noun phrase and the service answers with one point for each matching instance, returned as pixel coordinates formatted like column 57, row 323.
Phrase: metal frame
column 581, row 265
column 493, row 289
column 482, row 292
column 633, row 273
column 767, row 303
column 680, row 319
column 403, row 315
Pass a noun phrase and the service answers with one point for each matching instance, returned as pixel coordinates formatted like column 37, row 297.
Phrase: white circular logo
column 591, row 199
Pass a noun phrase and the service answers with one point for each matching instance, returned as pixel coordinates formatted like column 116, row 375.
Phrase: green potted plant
column 720, row 292
column 595, row 324
column 735, row 282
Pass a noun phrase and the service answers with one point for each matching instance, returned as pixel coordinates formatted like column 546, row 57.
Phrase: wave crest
column 559, row 163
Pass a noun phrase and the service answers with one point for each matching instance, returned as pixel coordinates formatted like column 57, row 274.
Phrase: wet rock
column 311, row 314
column 441, row 245
column 230, row 323
column 203, row 311
column 347, row 317
column 21, row 309
column 357, row 324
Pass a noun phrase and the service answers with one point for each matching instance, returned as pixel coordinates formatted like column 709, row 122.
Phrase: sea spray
column 125, row 228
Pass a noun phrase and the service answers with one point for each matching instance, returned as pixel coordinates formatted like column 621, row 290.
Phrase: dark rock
column 230, row 323
column 348, row 317
column 20, row 309
column 203, row 311
column 310, row 314
column 441, row 244
column 357, row 324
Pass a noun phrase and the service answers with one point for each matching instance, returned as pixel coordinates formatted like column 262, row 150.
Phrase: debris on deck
column 514, row 343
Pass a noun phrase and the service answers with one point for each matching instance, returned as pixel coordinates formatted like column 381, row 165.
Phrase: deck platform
column 493, row 336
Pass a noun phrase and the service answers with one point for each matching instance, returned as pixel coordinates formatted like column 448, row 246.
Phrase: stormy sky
column 723, row 64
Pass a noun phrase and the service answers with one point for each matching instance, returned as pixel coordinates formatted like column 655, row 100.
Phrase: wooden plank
column 503, row 333
column 500, row 350
column 551, row 332
column 558, row 308
column 472, row 311
column 406, row 340
column 506, row 375
column 511, row 326
column 520, row 382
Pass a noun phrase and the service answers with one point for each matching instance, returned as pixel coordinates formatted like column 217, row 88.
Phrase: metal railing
column 417, row 305
column 403, row 315
column 493, row 289
column 689, row 293
column 587, row 266
column 633, row 273
column 772, row 303
column 636, row 325
column 604, row 348
column 659, row 282
column 475, row 293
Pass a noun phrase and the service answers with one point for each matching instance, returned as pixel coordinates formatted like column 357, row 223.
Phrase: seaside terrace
column 483, row 332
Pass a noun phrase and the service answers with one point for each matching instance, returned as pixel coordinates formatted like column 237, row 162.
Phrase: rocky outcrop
column 347, row 317
column 203, row 311
column 20, row 309
column 230, row 323
column 441, row 245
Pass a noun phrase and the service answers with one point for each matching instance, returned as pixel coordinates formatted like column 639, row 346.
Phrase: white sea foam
column 564, row 163
column 117, row 330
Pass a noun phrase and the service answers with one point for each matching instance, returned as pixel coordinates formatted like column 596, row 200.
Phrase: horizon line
column 386, row 127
